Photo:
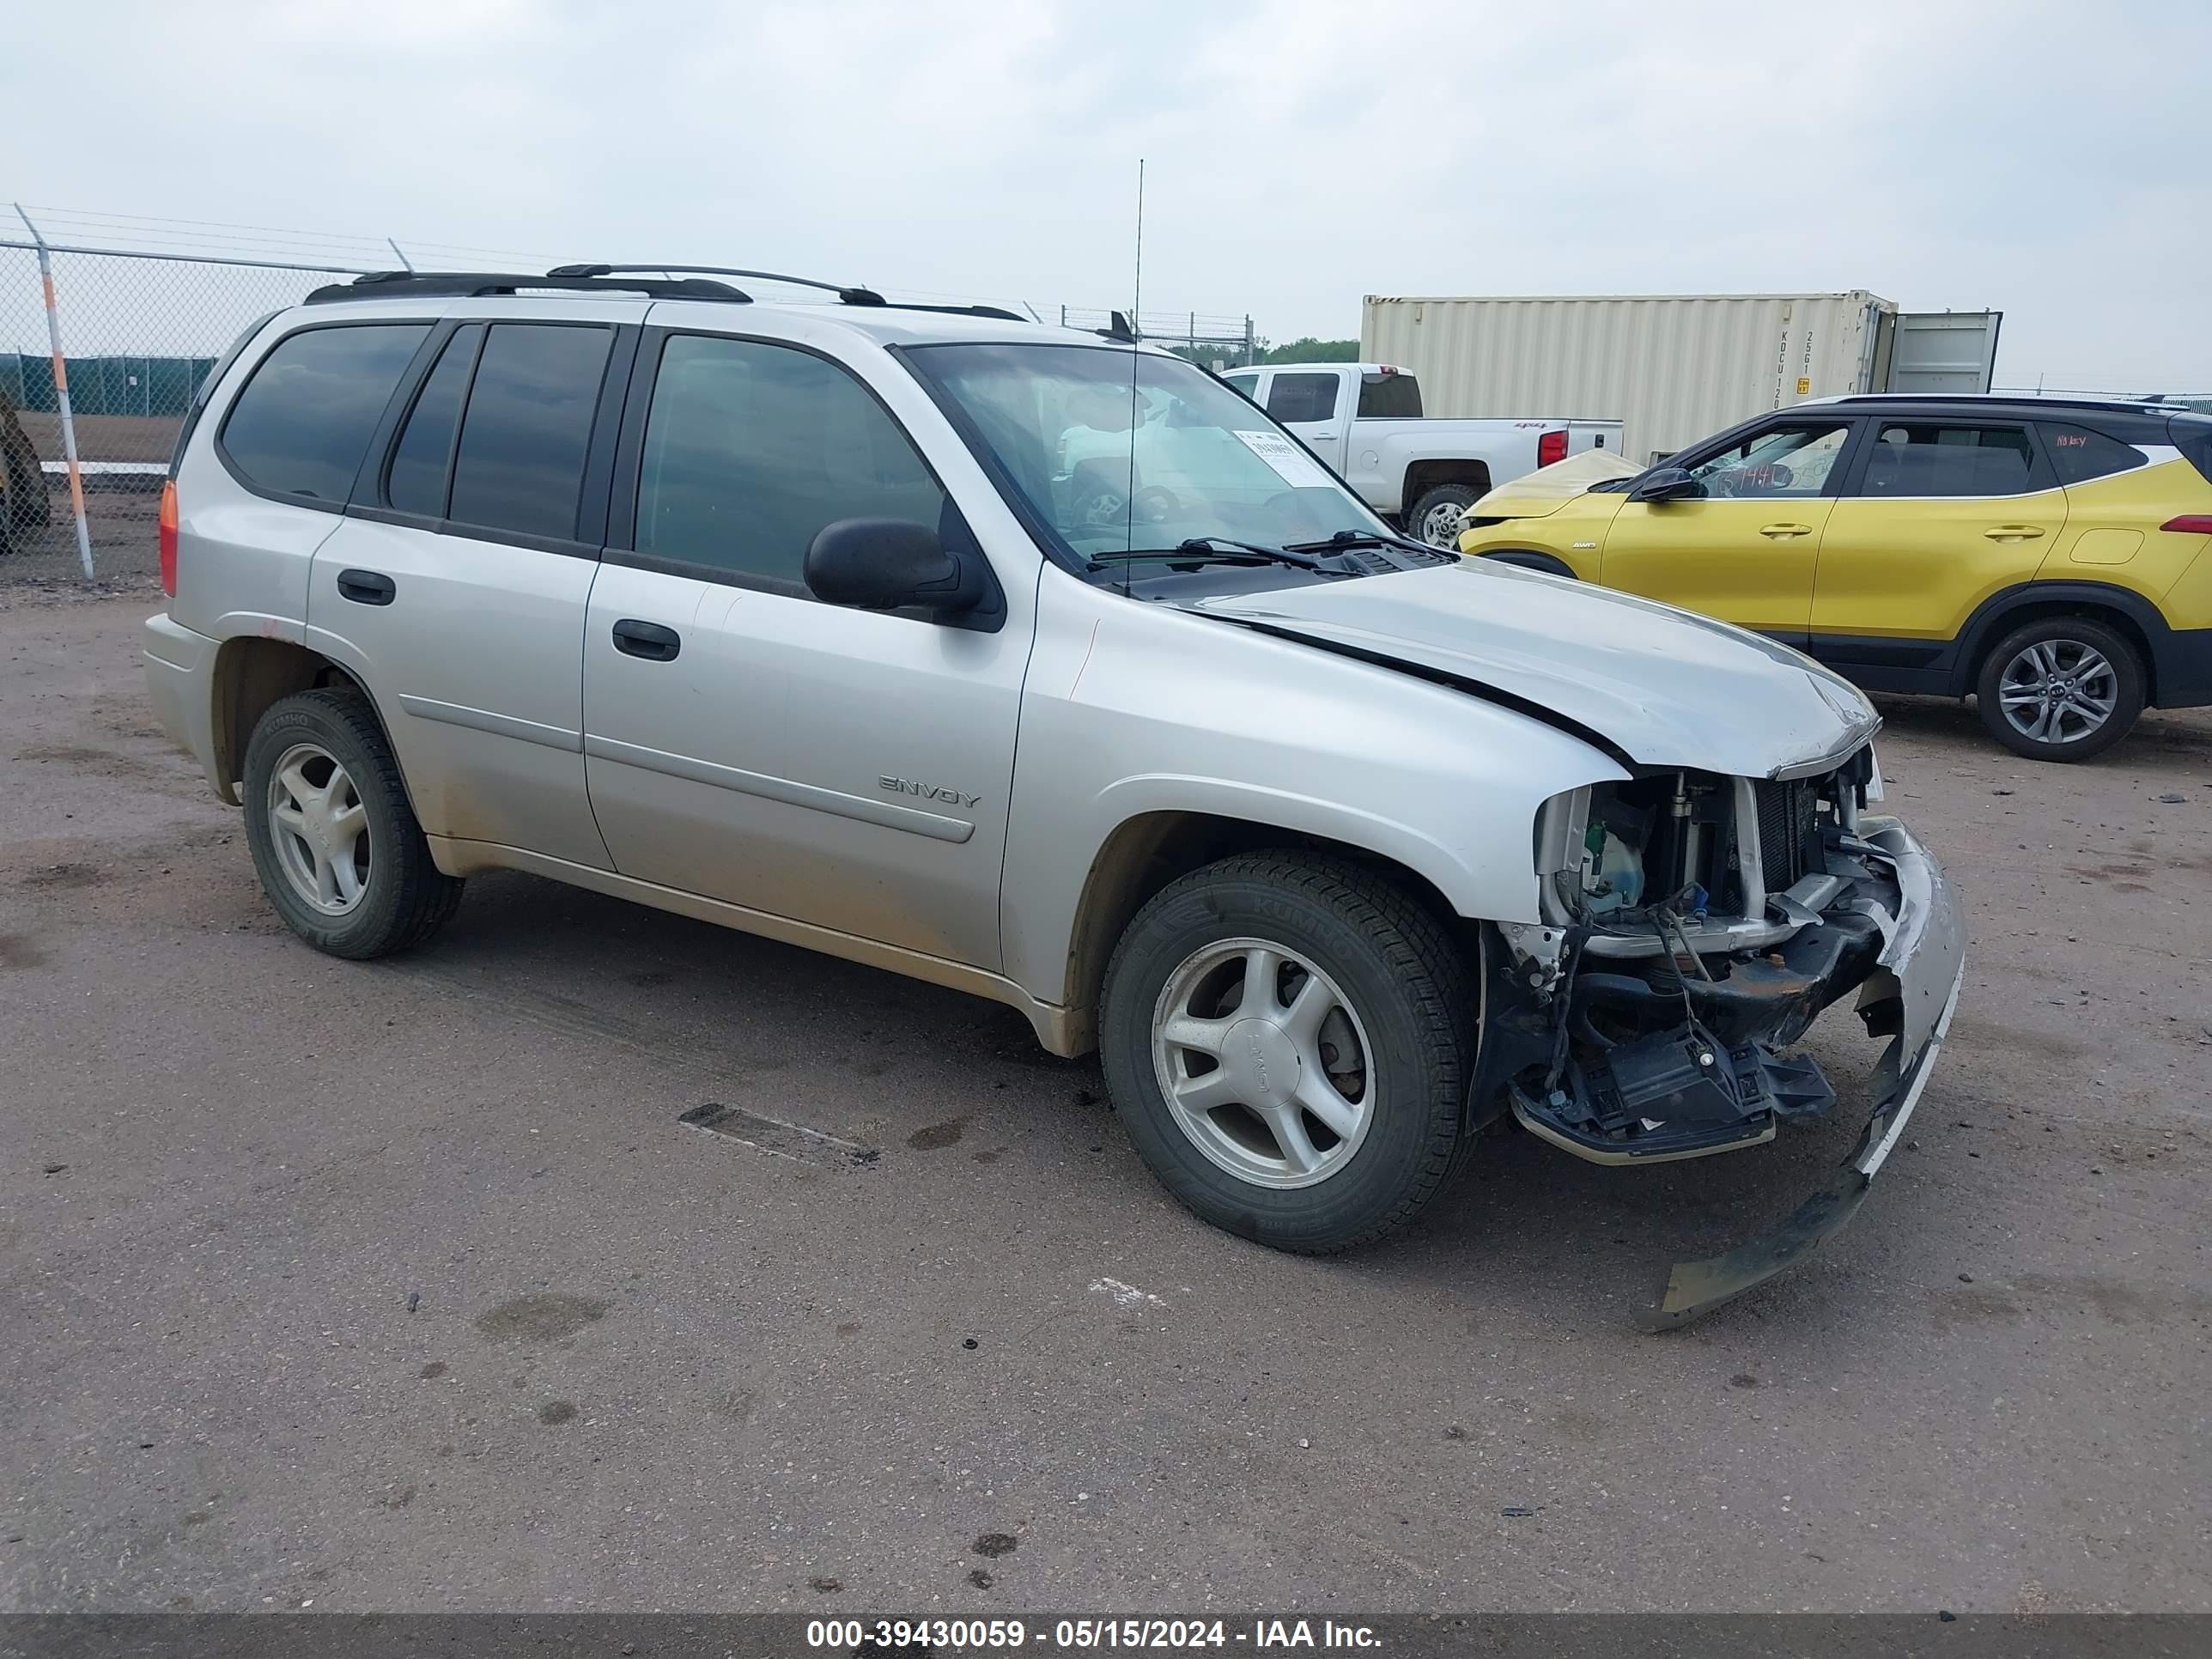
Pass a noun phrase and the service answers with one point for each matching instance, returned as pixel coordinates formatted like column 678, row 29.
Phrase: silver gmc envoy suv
column 1042, row 665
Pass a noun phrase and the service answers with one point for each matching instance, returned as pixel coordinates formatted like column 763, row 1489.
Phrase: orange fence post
column 62, row 396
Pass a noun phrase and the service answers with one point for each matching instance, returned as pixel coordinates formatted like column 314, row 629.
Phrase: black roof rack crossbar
column 852, row 294
column 477, row 284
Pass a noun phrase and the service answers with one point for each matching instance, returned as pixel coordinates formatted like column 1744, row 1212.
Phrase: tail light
column 168, row 539
column 1551, row 447
column 2191, row 524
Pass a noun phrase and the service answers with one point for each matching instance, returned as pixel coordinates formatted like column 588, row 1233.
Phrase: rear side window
column 750, row 449
column 416, row 481
column 207, row 385
column 1245, row 386
column 1301, row 397
column 303, row 423
column 1916, row 459
column 520, row 466
column 2078, row 454
column 1392, row 396
column 2194, row 440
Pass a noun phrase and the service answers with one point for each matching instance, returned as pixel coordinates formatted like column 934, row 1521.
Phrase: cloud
column 2043, row 158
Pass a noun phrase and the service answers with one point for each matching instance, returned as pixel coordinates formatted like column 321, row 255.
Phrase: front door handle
column 366, row 586
column 648, row 640
column 2013, row 532
column 1778, row 530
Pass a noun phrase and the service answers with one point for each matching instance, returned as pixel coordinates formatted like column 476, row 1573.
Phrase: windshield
column 1197, row 461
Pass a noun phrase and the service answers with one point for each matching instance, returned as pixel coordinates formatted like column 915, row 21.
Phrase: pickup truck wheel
column 1436, row 516
column 1288, row 1039
column 335, row 842
column 2060, row 688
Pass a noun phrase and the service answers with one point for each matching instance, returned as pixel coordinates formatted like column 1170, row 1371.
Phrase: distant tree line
column 1310, row 350
column 1305, row 350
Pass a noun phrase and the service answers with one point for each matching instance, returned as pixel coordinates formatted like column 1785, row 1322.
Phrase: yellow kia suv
column 2048, row 555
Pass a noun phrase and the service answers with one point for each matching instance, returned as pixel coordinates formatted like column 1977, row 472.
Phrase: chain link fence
column 137, row 333
column 121, row 337
column 1212, row 340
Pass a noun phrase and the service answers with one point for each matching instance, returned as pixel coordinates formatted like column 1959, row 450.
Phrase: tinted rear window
column 207, row 385
column 416, row 482
column 304, row 421
column 2194, row 440
column 520, row 464
column 2078, row 454
column 1393, row 396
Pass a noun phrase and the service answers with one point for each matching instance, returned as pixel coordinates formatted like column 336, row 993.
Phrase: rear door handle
column 1778, row 530
column 366, row 586
column 648, row 640
column 2013, row 532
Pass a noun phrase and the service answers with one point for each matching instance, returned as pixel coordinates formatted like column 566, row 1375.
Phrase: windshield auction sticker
column 1292, row 464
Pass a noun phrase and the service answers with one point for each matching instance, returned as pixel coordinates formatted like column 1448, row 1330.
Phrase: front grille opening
column 1789, row 831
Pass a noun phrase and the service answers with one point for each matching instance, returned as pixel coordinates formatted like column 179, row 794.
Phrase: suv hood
column 1662, row 686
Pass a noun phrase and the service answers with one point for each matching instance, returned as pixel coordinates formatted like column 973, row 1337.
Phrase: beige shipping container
column 1672, row 368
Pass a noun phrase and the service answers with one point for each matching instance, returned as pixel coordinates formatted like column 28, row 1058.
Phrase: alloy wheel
column 320, row 828
column 2057, row 691
column 1263, row 1063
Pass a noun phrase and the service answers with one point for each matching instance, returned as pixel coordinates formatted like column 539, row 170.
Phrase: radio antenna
column 1136, row 330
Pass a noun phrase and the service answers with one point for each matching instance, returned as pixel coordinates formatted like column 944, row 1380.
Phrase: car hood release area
column 1662, row 686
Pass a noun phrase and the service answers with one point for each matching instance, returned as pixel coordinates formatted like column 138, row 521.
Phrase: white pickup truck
column 1364, row 420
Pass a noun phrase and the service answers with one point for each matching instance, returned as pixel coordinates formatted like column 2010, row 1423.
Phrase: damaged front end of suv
column 1692, row 927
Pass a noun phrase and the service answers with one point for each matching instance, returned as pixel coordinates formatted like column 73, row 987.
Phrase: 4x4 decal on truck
column 927, row 791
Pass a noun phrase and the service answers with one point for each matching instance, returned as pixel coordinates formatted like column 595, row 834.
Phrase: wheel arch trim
column 1996, row 615
column 252, row 673
column 1164, row 835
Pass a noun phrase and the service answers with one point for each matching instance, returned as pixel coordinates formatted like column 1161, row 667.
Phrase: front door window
column 1790, row 461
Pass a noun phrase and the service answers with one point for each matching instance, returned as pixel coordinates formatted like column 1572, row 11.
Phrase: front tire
column 1289, row 1040
column 335, row 842
column 2060, row 688
column 1437, row 518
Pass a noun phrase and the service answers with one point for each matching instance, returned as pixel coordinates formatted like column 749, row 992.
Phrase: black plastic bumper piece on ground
column 1694, row 1289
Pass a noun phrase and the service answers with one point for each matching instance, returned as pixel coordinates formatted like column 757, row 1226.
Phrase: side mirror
column 889, row 564
column 1668, row 483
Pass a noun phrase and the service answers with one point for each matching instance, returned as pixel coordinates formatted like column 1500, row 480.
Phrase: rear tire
column 2062, row 688
column 335, row 842
column 1436, row 518
column 1315, row 1027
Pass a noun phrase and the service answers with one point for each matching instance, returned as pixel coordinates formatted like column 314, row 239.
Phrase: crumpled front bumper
column 1921, row 966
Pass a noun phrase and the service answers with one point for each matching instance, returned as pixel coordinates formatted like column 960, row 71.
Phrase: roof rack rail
column 2035, row 399
column 847, row 293
column 477, row 284
column 851, row 293
column 998, row 312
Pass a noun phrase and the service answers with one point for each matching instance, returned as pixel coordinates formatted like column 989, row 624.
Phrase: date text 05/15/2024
column 848, row 1634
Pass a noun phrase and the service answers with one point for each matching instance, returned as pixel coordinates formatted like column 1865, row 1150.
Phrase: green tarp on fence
column 126, row 385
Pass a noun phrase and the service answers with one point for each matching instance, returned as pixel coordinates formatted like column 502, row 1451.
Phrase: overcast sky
column 2048, row 159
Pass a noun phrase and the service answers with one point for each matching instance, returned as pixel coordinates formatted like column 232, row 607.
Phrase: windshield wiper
column 1208, row 548
column 1348, row 539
